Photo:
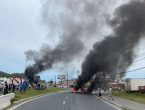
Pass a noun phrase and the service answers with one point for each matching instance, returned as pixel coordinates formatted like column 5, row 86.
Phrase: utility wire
column 134, row 70
column 143, row 53
column 137, row 60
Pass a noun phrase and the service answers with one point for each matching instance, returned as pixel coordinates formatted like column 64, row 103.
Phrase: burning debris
column 110, row 56
column 115, row 53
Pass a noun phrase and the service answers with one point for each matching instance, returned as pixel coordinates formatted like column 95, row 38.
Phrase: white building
column 3, row 79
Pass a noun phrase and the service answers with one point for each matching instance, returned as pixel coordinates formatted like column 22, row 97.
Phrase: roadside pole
column 67, row 79
column 55, row 80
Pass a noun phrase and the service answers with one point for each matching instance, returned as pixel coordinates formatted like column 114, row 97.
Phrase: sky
column 21, row 29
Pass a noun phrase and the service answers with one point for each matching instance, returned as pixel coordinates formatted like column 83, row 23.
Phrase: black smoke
column 75, row 22
column 115, row 53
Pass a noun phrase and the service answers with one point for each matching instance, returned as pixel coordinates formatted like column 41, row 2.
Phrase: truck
column 133, row 84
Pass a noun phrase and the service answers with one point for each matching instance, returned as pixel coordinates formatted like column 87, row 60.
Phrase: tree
column 50, row 82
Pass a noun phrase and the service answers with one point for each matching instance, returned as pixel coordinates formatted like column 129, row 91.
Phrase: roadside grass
column 136, row 96
column 33, row 92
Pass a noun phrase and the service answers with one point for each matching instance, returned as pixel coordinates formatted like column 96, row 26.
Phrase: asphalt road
column 66, row 101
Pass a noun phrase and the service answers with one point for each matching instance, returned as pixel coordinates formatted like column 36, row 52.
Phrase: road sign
column 17, row 80
column 61, row 76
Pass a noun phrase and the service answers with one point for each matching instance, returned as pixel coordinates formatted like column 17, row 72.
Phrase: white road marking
column 31, row 100
column 110, row 104
column 66, row 97
column 63, row 102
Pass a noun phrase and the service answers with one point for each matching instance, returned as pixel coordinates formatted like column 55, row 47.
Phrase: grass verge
column 33, row 92
column 136, row 96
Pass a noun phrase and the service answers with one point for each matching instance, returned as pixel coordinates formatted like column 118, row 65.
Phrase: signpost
column 61, row 77
column 17, row 81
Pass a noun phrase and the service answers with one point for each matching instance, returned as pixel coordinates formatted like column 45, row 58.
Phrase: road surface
column 66, row 101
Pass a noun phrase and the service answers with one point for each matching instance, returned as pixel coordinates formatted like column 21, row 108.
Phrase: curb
column 25, row 99
column 116, row 104
column 29, row 98
column 112, row 102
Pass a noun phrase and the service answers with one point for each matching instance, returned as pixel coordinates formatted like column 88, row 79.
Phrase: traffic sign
column 61, row 76
column 17, row 80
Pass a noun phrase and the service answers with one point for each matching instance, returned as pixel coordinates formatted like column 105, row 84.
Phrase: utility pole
column 55, row 80
column 61, row 82
column 67, row 79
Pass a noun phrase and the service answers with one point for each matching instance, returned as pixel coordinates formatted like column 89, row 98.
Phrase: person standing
column 99, row 93
column 1, row 88
column 13, row 87
column 24, row 85
column 110, row 93
column 5, row 88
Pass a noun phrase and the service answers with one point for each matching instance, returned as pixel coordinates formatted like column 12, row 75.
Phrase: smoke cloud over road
column 76, row 24
column 114, row 54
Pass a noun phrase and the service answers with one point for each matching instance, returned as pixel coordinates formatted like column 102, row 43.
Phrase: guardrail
column 5, row 100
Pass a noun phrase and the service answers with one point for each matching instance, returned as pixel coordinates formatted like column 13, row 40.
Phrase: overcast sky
column 21, row 29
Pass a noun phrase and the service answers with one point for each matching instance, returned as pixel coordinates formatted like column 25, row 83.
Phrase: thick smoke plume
column 114, row 54
column 75, row 22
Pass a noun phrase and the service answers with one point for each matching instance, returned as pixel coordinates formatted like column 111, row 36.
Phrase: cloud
column 19, row 31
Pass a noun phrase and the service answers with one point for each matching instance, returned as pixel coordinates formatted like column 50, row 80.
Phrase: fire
column 73, row 90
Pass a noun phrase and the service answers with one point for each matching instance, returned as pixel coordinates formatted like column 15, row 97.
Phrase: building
column 66, row 83
column 3, row 79
column 117, row 85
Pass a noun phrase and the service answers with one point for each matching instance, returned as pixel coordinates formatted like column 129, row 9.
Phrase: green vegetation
column 50, row 83
column 33, row 92
column 136, row 96
column 4, row 74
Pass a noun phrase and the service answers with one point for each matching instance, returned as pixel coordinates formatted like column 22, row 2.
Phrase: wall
column 5, row 100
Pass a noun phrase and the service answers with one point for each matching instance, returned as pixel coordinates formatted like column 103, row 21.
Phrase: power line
column 138, row 60
column 139, row 54
column 134, row 70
